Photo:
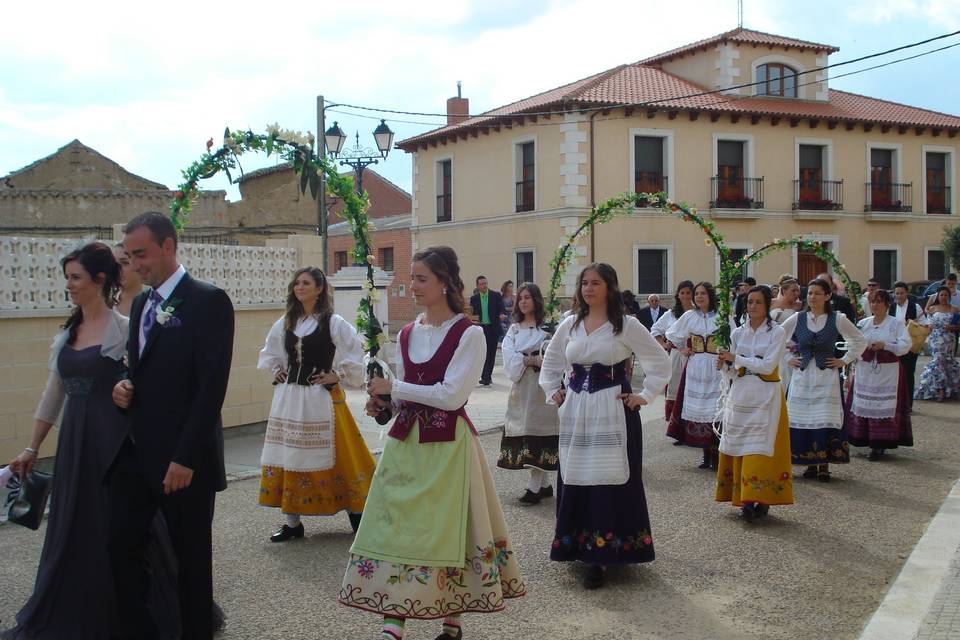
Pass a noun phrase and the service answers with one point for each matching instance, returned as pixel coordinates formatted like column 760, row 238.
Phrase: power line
column 691, row 95
column 338, row 108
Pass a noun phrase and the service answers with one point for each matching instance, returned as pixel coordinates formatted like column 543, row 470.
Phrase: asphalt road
column 814, row 570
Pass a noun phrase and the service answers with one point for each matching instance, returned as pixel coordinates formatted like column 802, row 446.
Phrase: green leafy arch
column 297, row 149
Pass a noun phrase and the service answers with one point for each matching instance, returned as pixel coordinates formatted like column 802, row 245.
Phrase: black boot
column 594, row 577
column 287, row 533
column 354, row 520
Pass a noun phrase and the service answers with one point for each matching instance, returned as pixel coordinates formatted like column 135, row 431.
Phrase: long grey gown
column 73, row 597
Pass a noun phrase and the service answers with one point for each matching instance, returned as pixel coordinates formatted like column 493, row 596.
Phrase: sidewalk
column 924, row 601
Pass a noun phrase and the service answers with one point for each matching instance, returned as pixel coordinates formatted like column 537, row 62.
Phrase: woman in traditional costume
column 785, row 305
column 877, row 408
column 818, row 432
column 530, row 430
column 314, row 460
column 754, row 470
column 433, row 543
column 682, row 302
column 601, row 506
column 695, row 410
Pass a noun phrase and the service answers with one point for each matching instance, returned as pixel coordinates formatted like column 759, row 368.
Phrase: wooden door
column 810, row 185
column 809, row 266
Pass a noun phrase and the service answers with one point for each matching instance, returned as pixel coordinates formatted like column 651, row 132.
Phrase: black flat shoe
column 762, row 509
column 749, row 511
column 287, row 533
column 530, row 498
column 811, row 472
column 823, row 476
column 354, row 520
column 677, row 443
column 546, row 492
column 594, row 577
column 447, row 636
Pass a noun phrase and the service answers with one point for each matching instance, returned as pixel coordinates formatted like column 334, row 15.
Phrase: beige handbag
column 918, row 335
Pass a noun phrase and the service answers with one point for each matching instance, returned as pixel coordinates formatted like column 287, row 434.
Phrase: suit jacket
column 179, row 383
column 844, row 306
column 494, row 308
column 646, row 318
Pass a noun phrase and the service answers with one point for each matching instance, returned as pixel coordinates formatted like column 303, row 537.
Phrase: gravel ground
column 817, row 569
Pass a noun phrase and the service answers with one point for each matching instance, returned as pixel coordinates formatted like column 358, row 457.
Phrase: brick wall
column 401, row 307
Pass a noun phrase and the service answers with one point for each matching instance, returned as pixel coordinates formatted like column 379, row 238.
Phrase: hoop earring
column 444, row 291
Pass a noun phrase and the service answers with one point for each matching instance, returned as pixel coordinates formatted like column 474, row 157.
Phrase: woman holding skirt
column 530, row 428
column 314, row 460
column 818, row 431
column 695, row 410
column 433, row 543
column 601, row 506
column 754, row 470
column 683, row 302
column 877, row 408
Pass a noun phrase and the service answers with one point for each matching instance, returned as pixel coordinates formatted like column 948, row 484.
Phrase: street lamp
column 358, row 157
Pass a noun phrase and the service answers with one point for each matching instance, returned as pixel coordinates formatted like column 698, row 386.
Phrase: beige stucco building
column 742, row 126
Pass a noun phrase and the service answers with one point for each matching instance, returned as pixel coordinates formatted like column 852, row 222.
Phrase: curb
column 902, row 612
column 247, row 474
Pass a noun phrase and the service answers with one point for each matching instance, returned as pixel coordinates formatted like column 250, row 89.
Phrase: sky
column 147, row 88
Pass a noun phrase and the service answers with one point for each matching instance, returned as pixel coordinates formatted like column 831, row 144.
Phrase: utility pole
column 322, row 195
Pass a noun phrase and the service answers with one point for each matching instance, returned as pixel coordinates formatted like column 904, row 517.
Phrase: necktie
column 150, row 316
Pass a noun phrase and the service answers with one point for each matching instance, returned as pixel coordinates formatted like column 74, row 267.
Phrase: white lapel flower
column 164, row 315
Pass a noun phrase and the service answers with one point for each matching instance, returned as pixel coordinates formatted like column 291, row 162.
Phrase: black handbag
column 27, row 510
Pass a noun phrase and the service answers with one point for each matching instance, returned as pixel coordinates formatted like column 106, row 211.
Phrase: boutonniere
column 165, row 314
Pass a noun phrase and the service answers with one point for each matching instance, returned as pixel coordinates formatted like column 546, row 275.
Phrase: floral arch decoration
column 628, row 203
column 297, row 149
column 815, row 247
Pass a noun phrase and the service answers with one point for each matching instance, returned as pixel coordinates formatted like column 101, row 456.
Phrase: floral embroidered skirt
column 818, row 430
column 606, row 524
column 693, row 434
column 480, row 582
column 887, row 432
column 521, row 452
column 324, row 493
column 758, row 478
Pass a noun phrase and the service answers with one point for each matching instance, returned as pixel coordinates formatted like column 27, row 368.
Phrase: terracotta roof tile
column 643, row 86
column 742, row 36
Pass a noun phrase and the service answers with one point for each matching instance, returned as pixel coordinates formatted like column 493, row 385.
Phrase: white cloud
column 944, row 14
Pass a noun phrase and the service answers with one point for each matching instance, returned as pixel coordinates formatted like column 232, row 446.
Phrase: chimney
column 458, row 109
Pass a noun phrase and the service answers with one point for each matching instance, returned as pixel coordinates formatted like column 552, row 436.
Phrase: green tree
column 951, row 245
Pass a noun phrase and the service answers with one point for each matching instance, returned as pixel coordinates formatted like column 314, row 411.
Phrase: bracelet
column 30, row 450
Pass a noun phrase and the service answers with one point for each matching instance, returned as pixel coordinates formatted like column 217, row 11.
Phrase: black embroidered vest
column 815, row 346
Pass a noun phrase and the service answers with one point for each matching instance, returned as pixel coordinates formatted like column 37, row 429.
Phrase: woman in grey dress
column 86, row 360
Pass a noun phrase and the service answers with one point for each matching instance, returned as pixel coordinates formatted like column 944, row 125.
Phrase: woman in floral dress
column 754, row 470
column 941, row 377
column 530, row 426
column 433, row 543
column 601, row 506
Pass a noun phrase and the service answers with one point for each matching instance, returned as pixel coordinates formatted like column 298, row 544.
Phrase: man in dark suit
column 740, row 307
column 906, row 308
column 179, row 351
column 650, row 313
column 487, row 305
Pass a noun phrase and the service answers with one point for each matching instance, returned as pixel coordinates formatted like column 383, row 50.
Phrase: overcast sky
column 147, row 87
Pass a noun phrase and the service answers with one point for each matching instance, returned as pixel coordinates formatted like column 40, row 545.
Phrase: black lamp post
column 358, row 158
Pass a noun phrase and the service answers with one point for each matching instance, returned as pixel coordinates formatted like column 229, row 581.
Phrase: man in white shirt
column 872, row 285
column 904, row 308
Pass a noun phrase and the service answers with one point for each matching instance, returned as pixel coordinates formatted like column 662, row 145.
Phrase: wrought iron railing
column 731, row 192
column 890, row 197
column 938, row 199
column 444, row 208
column 525, row 195
column 818, row 195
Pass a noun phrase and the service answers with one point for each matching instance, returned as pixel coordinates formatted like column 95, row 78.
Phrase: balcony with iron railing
column 732, row 192
column 650, row 182
column 525, row 195
column 888, row 197
column 443, row 208
column 938, row 199
column 818, row 195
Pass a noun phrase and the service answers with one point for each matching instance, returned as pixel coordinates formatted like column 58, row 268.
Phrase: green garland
column 627, row 204
column 815, row 247
column 297, row 149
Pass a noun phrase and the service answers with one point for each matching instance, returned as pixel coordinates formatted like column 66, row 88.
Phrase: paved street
column 818, row 569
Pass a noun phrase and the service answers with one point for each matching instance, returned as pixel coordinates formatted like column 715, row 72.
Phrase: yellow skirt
column 757, row 478
column 324, row 493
